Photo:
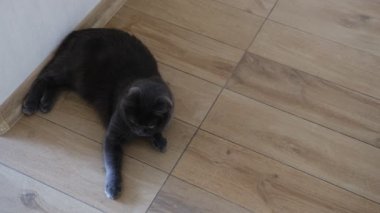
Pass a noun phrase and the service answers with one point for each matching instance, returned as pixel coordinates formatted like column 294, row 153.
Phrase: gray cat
column 117, row 74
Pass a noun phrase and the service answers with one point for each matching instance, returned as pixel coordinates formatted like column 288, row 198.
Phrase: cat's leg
column 112, row 160
column 159, row 142
column 41, row 96
column 48, row 99
column 113, row 155
column 32, row 100
column 44, row 89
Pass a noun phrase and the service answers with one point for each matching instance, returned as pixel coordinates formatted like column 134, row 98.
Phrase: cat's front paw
column 113, row 189
column 113, row 186
column 160, row 144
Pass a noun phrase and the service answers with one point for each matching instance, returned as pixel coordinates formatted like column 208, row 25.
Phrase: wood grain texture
column 73, row 164
column 258, row 7
column 345, row 66
column 326, row 154
column 259, row 183
column 207, row 17
column 193, row 97
column 73, row 113
column 19, row 193
column 178, row 135
column 309, row 97
column 351, row 22
column 180, row 48
column 179, row 196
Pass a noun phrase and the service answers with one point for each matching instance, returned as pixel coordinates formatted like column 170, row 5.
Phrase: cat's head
column 147, row 108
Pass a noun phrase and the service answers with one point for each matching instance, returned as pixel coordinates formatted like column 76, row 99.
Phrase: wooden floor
column 277, row 110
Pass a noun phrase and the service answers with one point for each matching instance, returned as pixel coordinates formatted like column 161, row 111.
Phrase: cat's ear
column 134, row 91
column 133, row 96
column 163, row 105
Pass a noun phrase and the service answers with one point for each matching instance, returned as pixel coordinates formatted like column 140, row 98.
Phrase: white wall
column 29, row 31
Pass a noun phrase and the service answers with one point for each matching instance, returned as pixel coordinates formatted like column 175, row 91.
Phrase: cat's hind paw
column 29, row 106
column 46, row 103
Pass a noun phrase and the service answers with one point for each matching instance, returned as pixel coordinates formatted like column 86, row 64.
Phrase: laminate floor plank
column 350, row 22
column 340, row 64
column 179, row 196
column 207, row 17
column 180, row 48
column 259, row 183
column 73, row 165
column 321, row 152
column 20, row 193
column 258, row 7
column 309, row 97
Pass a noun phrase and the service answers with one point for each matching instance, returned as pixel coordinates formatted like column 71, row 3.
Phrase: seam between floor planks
column 319, row 35
column 183, row 28
column 261, row 27
column 49, row 186
column 282, row 163
column 82, row 135
column 200, row 124
column 298, row 116
column 323, row 38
